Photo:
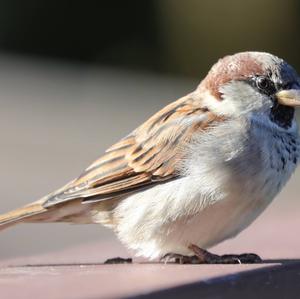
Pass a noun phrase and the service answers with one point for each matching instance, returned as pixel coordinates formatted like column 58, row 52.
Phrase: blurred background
column 76, row 76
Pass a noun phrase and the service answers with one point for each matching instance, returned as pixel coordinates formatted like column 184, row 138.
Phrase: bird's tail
column 27, row 213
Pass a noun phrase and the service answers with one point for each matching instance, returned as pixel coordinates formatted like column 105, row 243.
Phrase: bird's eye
column 265, row 85
column 262, row 83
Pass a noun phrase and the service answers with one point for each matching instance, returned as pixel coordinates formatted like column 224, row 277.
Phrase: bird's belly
column 244, row 201
column 216, row 223
column 153, row 224
column 199, row 209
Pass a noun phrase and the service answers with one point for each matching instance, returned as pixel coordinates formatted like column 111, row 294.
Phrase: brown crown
column 235, row 67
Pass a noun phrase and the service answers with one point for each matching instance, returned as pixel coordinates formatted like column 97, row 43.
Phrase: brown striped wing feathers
column 148, row 156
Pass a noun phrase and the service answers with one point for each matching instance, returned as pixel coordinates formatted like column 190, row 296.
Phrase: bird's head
column 253, row 84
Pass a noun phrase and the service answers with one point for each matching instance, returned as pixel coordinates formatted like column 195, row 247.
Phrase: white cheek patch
column 217, row 106
column 237, row 98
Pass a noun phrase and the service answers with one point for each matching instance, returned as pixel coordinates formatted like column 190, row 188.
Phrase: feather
column 148, row 156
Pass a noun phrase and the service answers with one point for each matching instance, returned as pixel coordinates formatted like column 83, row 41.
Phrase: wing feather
column 149, row 155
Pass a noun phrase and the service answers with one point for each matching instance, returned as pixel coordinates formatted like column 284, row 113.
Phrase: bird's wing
column 149, row 155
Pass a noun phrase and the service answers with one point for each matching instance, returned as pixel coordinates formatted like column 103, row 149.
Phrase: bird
column 194, row 174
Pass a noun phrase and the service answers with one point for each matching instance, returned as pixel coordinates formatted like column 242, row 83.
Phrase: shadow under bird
column 197, row 172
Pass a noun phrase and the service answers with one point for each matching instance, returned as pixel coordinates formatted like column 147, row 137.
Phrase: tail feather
column 23, row 214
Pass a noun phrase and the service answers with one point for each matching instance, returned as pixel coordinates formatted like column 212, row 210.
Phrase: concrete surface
column 102, row 281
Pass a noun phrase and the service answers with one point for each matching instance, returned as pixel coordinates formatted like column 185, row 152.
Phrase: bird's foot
column 206, row 257
column 202, row 256
column 118, row 260
column 179, row 259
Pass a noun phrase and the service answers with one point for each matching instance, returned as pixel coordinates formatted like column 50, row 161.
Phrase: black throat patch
column 282, row 115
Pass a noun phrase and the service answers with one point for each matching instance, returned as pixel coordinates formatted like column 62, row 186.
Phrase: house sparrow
column 197, row 172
